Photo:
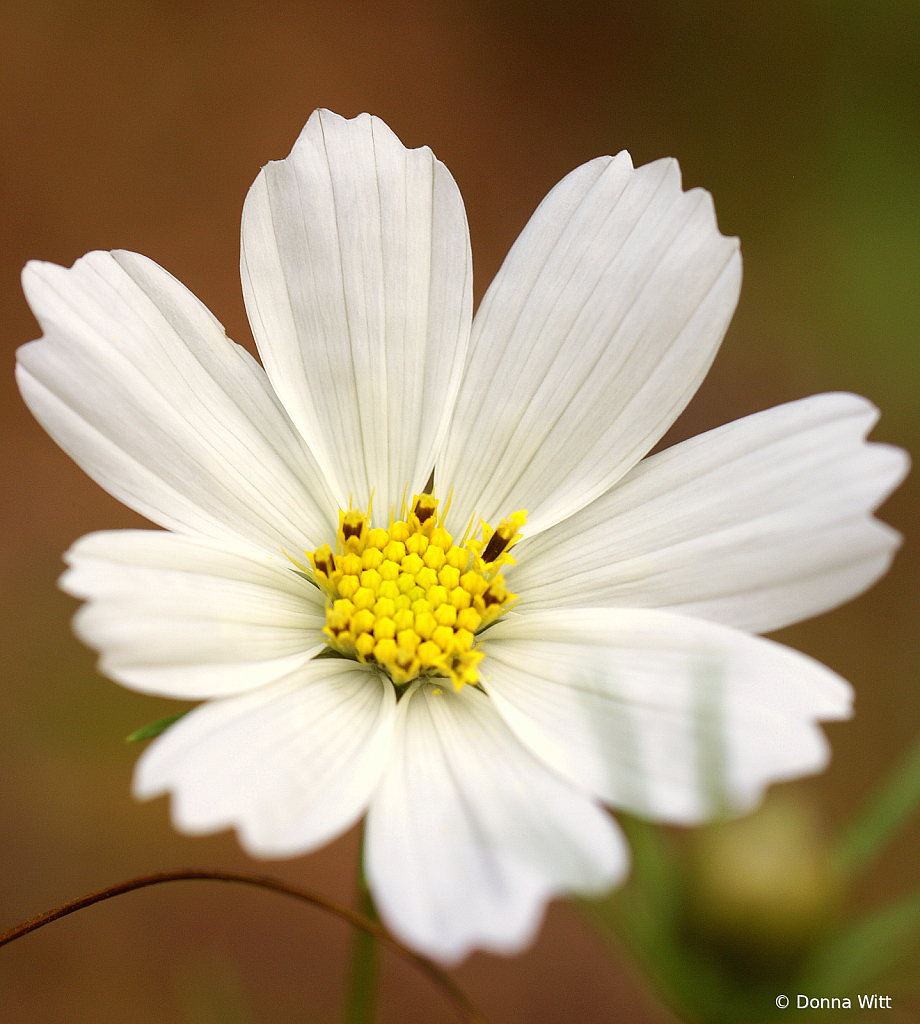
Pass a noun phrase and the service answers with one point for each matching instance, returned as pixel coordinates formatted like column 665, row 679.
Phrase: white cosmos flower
column 627, row 672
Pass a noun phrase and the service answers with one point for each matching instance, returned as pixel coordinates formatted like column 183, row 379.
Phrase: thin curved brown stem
column 439, row 977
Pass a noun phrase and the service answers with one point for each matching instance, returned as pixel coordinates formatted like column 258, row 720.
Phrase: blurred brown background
column 140, row 125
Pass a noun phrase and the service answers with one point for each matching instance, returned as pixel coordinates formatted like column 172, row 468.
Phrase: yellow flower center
column 408, row 598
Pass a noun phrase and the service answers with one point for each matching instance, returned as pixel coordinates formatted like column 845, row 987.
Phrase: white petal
column 661, row 714
column 190, row 618
column 290, row 766
column 756, row 524
column 595, row 334
column 469, row 836
column 138, row 383
column 357, row 277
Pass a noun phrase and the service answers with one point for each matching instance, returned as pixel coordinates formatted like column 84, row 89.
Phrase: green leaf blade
column 153, row 729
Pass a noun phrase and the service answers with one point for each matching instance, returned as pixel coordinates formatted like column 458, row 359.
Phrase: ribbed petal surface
column 469, row 835
column 756, row 524
column 190, row 618
column 138, row 383
column 290, row 765
column 670, row 717
column 595, row 334
column 357, row 278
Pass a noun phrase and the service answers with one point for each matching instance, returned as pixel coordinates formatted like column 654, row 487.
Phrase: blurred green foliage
column 726, row 918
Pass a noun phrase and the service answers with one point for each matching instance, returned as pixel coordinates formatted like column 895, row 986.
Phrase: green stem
column 889, row 808
column 363, row 979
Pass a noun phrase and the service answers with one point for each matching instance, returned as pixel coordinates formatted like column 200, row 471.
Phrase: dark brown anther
column 429, row 487
column 325, row 565
column 423, row 512
column 351, row 530
column 497, row 544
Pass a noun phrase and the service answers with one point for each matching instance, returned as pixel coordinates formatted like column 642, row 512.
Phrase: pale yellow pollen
column 407, row 598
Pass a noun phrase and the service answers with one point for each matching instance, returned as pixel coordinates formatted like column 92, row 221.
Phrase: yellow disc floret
column 408, row 598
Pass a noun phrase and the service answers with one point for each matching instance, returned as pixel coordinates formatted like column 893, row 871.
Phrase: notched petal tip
column 677, row 720
column 356, row 266
column 672, row 180
column 469, row 837
column 325, row 126
column 616, row 295
column 890, row 463
column 289, row 766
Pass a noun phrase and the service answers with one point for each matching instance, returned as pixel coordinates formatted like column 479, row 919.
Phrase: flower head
column 418, row 566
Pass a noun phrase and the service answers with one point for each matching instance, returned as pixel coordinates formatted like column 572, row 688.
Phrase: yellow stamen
column 409, row 599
